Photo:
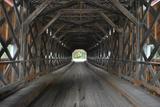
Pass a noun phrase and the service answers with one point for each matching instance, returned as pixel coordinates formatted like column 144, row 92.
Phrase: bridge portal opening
column 79, row 55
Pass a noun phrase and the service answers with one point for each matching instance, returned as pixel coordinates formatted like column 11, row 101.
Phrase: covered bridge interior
column 121, row 38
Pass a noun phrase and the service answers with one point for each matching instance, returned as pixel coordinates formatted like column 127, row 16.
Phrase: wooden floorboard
column 80, row 87
column 136, row 95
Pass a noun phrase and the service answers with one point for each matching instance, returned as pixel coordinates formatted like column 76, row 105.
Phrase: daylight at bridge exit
column 79, row 53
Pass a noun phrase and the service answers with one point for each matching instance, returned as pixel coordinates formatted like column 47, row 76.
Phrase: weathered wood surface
column 80, row 87
column 26, row 95
column 10, row 89
column 136, row 95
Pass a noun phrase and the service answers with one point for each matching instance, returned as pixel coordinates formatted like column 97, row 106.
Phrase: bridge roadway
column 82, row 85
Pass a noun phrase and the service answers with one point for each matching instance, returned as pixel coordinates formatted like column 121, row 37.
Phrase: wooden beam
column 100, row 28
column 56, row 8
column 80, row 23
column 109, row 21
column 118, row 5
column 81, row 11
column 58, row 30
column 50, row 23
column 97, row 5
column 35, row 13
column 80, row 30
column 129, row 15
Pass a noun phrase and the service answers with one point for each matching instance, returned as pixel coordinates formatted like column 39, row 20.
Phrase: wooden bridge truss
column 113, row 32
